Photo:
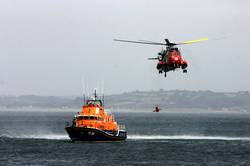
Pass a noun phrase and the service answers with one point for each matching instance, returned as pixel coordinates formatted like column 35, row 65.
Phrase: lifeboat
column 93, row 123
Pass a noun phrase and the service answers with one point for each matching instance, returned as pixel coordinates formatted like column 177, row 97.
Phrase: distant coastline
column 139, row 100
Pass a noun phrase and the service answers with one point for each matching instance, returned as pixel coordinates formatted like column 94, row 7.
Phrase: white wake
column 129, row 137
column 184, row 137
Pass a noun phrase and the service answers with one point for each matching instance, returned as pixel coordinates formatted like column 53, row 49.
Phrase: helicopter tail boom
column 153, row 58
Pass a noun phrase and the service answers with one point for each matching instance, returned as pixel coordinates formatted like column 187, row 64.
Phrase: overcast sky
column 58, row 47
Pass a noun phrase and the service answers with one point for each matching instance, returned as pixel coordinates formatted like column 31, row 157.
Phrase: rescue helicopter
column 169, row 59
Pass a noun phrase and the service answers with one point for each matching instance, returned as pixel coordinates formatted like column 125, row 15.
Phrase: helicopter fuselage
column 170, row 59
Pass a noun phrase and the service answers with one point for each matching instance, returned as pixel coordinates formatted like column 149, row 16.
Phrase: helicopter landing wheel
column 160, row 71
column 165, row 75
column 184, row 71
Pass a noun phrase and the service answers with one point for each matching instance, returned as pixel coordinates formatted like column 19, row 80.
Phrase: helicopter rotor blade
column 140, row 42
column 148, row 41
column 192, row 41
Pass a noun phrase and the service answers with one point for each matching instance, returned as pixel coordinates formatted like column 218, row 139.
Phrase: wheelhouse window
column 80, row 118
column 88, row 118
column 94, row 102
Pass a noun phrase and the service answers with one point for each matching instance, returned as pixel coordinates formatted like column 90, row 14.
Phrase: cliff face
column 140, row 99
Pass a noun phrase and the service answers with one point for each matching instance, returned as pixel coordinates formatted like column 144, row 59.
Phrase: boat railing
column 67, row 124
column 122, row 127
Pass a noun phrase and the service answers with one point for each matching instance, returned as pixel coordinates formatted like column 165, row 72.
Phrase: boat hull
column 91, row 134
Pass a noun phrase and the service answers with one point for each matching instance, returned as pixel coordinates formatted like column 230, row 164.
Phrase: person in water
column 157, row 109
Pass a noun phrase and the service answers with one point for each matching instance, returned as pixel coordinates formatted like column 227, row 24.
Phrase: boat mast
column 84, row 100
column 103, row 100
column 95, row 95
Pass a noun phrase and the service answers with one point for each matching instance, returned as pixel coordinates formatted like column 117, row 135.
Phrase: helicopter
column 169, row 59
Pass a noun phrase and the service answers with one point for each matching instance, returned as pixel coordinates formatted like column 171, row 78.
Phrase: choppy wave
column 183, row 137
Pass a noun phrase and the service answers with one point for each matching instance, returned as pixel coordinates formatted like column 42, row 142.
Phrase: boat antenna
column 95, row 95
column 103, row 100
column 84, row 100
column 102, row 90
column 83, row 88
column 87, row 87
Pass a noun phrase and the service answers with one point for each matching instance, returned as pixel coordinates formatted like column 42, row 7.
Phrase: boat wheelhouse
column 94, row 123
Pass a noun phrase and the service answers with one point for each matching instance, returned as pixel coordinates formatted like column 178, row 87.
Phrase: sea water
column 164, row 138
